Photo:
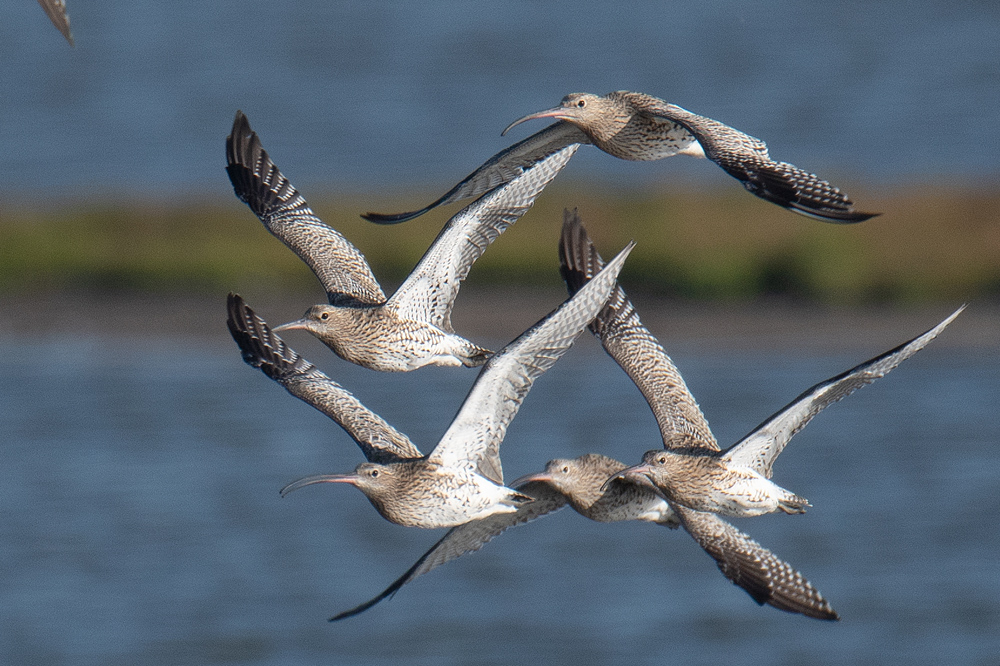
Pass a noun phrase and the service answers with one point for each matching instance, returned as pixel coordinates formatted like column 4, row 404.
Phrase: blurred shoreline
column 930, row 245
column 713, row 269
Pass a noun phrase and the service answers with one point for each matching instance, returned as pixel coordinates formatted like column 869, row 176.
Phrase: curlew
column 413, row 327
column 578, row 482
column 691, row 470
column 584, row 483
column 640, row 127
column 461, row 479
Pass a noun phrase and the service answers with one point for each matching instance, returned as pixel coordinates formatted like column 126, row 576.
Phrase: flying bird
column 578, row 482
column 691, row 470
column 640, row 127
column 413, row 327
column 583, row 484
column 461, row 479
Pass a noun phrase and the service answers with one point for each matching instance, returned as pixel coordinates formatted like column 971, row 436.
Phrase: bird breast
column 643, row 139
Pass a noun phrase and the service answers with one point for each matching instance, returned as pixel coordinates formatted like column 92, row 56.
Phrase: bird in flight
column 413, row 327
column 461, row 479
column 582, row 482
column 640, row 127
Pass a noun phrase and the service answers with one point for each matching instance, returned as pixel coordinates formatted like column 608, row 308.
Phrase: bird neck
column 606, row 131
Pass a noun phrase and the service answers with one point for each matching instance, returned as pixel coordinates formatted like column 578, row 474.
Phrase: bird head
column 587, row 111
column 316, row 320
column 559, row 473
column 579, row 479
column 367, row 477
column 642, row 474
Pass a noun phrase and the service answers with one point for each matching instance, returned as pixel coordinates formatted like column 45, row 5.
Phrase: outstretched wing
column 470, row 537
column 263, row 349
column 429, row 293
column 340, row 267
column 746, row 159
column 759, row 449
column 632, row 346
column 56, row 11
column 765, row 577
column 481, row 423
column 499, row 169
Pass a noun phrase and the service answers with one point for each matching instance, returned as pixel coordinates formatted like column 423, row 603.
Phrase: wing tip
column 814, row 606
column 392, row 218
column 56, row 11
column 829, row 215
column 850, row 217
column 259, row 345
column 255, row 178
column 388, row 593
column 579, row 261
column 239, row 140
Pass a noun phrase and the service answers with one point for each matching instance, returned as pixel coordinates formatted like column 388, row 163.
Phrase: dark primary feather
column 499, row 169
column 263, row 349
column 746, row 158
column 339, row 266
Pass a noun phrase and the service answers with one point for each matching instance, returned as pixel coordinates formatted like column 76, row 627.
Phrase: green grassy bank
column 928, row 245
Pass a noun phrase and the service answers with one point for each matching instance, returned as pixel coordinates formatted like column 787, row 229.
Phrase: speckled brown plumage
column 696, row 478
column 639, row 127
column 413, row 327
column 691, row 470
column 461, row 479
column 578, row 482
column 746, row 159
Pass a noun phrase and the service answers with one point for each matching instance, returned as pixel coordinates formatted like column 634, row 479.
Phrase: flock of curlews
column 690, row 482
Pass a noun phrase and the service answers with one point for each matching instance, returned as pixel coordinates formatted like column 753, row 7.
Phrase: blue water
column 358, row 96
column 142, row 522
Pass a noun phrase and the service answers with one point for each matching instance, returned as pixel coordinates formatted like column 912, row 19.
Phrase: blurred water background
column 142, row 459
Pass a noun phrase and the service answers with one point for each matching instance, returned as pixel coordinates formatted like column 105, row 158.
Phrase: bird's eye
column 565, row 469
column 325, row 316
column 581, row 103
column 373, row 473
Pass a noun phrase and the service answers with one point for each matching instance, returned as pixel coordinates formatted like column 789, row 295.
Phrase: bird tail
column 475, row 356
column 793, row 504
column 516, row 499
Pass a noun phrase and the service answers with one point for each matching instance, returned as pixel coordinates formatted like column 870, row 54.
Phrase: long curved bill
column 637, row 474
column 319, row 478
column 558, row 112
column 297, row 325
column 528, row 478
